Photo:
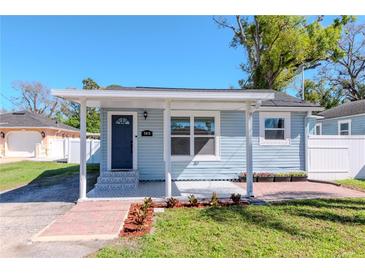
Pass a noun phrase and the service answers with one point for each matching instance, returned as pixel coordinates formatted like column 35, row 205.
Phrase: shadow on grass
column 356, row 204
column 254, row 217
column 56, row 185
column 323, row 210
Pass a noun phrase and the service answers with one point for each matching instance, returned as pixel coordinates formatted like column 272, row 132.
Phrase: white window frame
column 340, row 122
column 287, row 121
column 217, row 134
column 320, row 129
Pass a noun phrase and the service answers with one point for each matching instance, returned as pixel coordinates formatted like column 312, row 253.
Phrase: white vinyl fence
column 332, row 157
column 69, row 148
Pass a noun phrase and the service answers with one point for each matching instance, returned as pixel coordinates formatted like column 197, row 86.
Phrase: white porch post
column 83, row 149
column 167, row 147
column 249, row 169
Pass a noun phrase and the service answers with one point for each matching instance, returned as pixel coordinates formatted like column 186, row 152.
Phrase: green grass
column 307, row 228
column 13, row 175
column 353, row 183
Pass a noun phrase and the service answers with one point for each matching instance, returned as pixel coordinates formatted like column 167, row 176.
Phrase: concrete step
column 121, row 173
column 117, row 180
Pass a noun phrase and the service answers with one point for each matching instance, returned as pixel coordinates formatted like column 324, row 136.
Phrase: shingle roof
column 281, row 99
column 29, row 119
column 346, row 109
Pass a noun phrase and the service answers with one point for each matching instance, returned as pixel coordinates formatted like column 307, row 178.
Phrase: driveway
column 27, row 210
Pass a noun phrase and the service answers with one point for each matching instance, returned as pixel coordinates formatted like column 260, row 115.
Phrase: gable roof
column 281, row 98
column 28, row 119
column 346, row 109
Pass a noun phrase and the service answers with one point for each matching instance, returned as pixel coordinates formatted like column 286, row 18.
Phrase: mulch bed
column 135, row 226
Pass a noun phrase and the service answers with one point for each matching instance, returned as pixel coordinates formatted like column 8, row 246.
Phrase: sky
column 162, row 51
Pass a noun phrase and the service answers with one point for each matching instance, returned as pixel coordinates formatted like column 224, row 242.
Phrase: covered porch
column 169, row 101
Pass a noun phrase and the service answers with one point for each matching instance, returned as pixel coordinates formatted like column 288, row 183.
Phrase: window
column 318, row 129
column 195, row 135
column 180, row 135
column 274, row 128
column 344, row 127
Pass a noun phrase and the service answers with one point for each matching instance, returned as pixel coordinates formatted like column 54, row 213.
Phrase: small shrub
column 214, row 201
column 140, row 216
column 264, row 174
column 282, row 174
column 147, row 203
column 193, row 201
column 172, row 202
column 236, row 197
column 298, row 173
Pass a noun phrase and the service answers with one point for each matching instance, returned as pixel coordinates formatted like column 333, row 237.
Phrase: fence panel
column 332, row 157
column 93, row 154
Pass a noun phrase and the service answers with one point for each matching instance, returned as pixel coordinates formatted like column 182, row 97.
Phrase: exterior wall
column 49, row 134
column 330, row 126
column 232, row 148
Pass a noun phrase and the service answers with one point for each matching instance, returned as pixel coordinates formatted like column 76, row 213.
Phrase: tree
column 72, row 111
column 318, row 92
column 277, row 47
column 36, row 98
column 348, row 71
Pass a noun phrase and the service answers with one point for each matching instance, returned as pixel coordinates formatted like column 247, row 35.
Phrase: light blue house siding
column 232, row 148
column 330, row 126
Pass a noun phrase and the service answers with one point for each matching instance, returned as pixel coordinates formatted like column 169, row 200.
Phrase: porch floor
column 180, row 189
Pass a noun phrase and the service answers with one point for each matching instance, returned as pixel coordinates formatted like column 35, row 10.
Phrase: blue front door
column 122, row 142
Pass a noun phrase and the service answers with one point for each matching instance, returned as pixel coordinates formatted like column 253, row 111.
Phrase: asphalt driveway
column 27, row 210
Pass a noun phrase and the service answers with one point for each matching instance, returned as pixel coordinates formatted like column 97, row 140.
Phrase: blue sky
column 167, row 51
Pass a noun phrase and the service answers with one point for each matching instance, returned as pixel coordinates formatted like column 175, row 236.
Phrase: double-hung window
column 195, row 135
column 344, row 127
column 274, row 128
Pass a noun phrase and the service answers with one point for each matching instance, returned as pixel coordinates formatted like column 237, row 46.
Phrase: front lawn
column 353, row 183
column 307, row 228
column 20, row 173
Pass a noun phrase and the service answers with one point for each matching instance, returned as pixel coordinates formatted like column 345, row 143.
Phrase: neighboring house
column 194, row 134
column 25, row 134
column 345, row 119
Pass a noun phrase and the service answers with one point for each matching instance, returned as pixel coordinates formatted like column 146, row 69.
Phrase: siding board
column 232, row 148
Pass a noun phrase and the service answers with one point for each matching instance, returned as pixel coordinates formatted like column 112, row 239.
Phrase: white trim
column 320, row 129
column 135, row 136
column 291, row 109
column 217, row 135
column 342, row 117
column 219, row 95
column 287, row 127
column 340, row 122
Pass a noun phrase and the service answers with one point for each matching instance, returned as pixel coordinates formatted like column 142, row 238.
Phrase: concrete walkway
column 89, row 220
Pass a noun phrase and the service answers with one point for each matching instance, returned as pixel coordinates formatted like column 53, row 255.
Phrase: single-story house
column 345, row 119
column 26, row 134
column 154, row 134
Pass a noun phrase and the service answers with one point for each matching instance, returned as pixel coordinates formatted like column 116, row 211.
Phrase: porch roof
column 103, row 97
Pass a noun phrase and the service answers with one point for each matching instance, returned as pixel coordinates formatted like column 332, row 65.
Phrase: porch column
column 83, row 149
column 249, row 169
column 167, row 148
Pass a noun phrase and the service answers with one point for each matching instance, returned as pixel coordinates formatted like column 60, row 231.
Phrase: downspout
column 306, row 133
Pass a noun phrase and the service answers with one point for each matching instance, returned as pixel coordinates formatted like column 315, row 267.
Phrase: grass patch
column 308, row 228
column 20, row 173
column 353, row 183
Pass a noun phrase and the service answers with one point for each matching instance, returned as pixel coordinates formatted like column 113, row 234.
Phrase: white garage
column 22, row 143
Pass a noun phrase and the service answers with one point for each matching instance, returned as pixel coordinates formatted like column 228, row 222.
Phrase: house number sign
column 147, row 133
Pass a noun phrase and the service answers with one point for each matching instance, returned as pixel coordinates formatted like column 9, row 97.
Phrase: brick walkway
column 301, row 190
column 89, row 220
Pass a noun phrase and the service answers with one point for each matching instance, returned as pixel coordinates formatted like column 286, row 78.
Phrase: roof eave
column 77, row 95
